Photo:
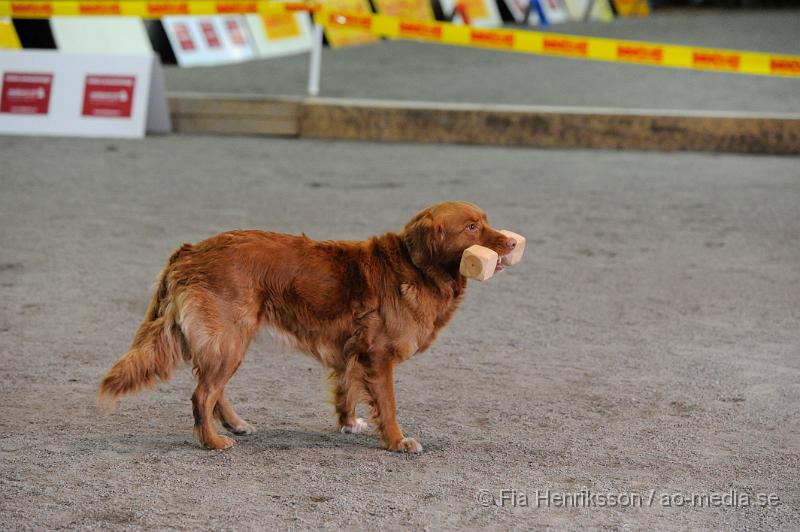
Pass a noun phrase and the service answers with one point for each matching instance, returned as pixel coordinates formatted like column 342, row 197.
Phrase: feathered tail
column 156, row 349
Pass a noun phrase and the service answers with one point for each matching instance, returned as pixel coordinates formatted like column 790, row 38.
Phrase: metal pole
column 316, row 61
column 588, row 13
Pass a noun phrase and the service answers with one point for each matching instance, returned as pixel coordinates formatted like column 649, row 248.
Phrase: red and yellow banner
column 405, row 9
column 553, row 44
column 349, row 22
column 145, row 8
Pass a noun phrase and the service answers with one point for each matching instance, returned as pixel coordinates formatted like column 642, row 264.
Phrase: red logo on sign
column 716, row 60
column 643, row 54
column 785, row 66
column 421, row 30
column 31, row 9
column 184, row 36
column 565, row 46
column 99, row 8
column 237, row 7
column 494, row 39
column 353, row 21
column 108, row 96
column 210, row 34
column 235, row 32
column 168, row 8
column 26, row 93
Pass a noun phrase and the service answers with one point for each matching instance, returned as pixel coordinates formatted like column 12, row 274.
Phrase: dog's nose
column 511, row 244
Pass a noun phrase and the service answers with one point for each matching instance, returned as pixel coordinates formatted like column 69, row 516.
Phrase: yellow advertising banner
column 352, row 34
column 573, row 46
column 8, row 35
column 632, row 8
column 407, row 9
column 281, row 26
column 349, row 22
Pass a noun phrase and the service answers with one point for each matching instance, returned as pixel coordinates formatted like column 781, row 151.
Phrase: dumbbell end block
column 516, row 255
column 478, row 263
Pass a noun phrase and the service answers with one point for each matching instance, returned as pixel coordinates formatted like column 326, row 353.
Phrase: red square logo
column 108, row 96
column 26, row 93
column 184, row 36
column 212, row 40
column 235, row 32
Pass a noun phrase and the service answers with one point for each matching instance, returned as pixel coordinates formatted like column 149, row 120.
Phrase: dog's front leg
column 379, row 383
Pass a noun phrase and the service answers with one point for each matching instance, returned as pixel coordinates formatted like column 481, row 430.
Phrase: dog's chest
column 426, row 305
column 427, row 313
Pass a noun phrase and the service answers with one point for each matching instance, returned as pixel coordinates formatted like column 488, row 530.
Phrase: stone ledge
column 500, row 125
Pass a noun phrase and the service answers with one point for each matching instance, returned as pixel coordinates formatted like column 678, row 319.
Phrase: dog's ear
column 421, row 236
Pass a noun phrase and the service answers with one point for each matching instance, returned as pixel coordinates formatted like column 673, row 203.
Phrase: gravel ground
column 648, row 344
column 408, row 70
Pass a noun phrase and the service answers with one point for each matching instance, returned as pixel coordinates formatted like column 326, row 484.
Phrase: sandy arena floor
column 647, row 347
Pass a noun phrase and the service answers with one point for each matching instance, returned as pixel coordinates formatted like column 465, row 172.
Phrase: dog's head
column 438, row 235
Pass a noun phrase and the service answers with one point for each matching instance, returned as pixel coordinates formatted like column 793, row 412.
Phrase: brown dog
column 359, row 308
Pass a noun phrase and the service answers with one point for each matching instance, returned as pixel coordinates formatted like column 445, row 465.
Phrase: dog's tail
column 156, row 349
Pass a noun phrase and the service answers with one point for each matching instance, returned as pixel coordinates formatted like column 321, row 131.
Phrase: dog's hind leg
column 226, row 415
column 347, row 388
column 214, row 367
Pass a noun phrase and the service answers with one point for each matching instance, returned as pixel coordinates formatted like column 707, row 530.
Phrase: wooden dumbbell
column 516, row 255
column 480, row 263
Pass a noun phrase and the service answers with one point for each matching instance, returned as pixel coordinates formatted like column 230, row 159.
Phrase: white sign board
column 280, row 34
column 212, row 40
column 600, row 10
column 101, row 35
column 555, row 11
column 46, row 92
column 517, row 8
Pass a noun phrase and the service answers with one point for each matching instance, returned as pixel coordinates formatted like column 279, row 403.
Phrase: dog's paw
column 220, row 443
column 241, row 429
column 406, row 445
column 358, row 426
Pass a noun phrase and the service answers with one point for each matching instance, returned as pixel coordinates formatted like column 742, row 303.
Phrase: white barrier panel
column 101, row 35
column 46, row 92
column 600, row 10
column 481, row 13
column 517, row 8
column 281, row 34
column 213, row 40
column 555, row 11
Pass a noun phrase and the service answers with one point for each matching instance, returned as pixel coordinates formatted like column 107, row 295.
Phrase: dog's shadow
column 271, row 438
column 262, row 439
column 280, row 439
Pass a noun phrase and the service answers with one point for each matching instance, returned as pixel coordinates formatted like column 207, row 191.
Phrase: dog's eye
column 472, row 227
